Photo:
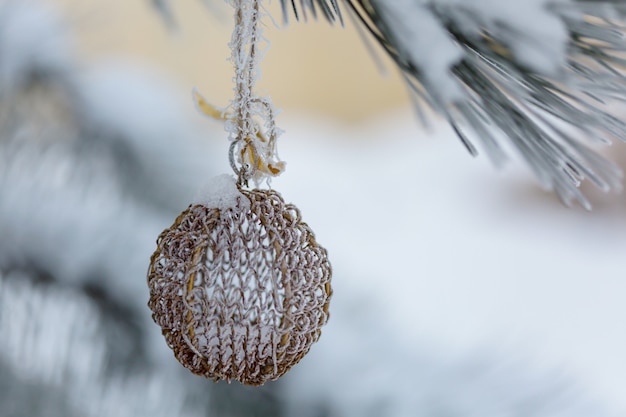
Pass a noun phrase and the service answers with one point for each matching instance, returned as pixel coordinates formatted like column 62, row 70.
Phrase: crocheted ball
column 240, row 292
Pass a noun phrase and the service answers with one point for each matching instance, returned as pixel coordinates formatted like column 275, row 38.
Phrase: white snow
column 65, row 327
column 535, row 35
column 55, row 337
column 43, row 47
column 220, row 192
column 142, row 113
column 426, row 43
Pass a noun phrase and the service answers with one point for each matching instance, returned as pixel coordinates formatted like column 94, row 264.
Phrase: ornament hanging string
column 253, row 130
column 238, row 283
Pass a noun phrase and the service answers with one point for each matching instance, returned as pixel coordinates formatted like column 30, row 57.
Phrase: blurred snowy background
column 459, row 291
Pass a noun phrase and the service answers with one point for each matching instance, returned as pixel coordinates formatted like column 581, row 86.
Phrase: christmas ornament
column 238, row 283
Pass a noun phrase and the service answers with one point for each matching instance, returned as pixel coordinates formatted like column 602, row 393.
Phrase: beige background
column 310, row 67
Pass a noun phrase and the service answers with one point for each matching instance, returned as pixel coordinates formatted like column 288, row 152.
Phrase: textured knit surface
column 240, row 293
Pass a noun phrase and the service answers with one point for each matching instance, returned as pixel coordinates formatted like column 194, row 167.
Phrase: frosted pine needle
column 540, row 72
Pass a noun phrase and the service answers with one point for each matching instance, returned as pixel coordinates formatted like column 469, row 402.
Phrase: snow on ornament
column 238, row 284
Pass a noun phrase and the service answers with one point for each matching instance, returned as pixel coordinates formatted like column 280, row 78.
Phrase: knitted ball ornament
column 240, row 292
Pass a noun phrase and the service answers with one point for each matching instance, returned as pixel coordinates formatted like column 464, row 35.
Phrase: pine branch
column 542, row 84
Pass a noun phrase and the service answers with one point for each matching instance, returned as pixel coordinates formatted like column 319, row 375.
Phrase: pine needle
column 495, row 83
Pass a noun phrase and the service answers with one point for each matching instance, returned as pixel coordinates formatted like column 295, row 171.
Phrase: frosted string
column 252, row 130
